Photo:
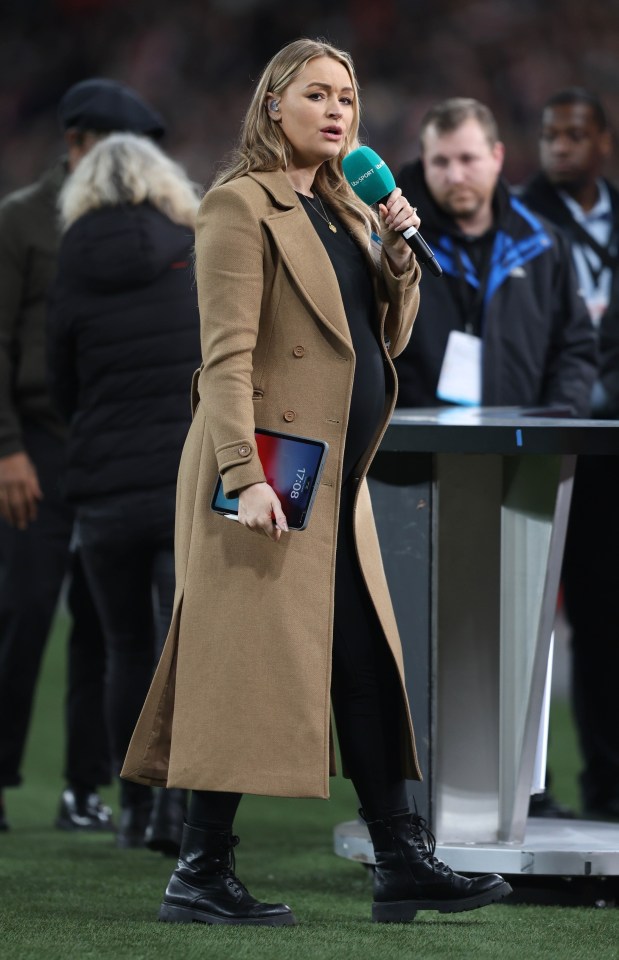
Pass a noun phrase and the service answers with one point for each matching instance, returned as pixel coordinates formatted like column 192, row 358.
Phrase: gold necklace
column 324, row 216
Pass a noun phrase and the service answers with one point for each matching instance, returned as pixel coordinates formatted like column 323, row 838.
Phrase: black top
column 367, row 405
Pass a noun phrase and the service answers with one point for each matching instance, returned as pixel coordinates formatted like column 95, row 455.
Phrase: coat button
column 299, row 351
column 289, row 416
column 244, row 450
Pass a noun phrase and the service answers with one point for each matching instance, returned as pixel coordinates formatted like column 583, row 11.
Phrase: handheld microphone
column 373, row 181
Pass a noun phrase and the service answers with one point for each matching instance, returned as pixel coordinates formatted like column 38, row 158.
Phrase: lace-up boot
column 204, row 888
column 408, row 877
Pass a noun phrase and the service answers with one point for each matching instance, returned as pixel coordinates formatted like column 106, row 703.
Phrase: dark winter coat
column 123, row 344
column 538, row 342
column 540, row 195
column 29, row 239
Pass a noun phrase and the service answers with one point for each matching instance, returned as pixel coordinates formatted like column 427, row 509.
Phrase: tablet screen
column 292, row 466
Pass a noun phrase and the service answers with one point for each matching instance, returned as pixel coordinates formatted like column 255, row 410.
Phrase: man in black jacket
column 505, row 324
column 571, row 192
column 35, row 521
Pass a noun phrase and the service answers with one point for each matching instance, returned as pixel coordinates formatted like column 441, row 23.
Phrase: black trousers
column 591, row 589
column 33, row 565
column 365, row 694
column 127, row 542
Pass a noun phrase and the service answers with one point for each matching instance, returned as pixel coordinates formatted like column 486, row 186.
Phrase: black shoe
column 204, row 888
column 165, row 830
column 83, row 810
column 408, row 877
column 4, row 823
column 132, row 825
column 545, row 805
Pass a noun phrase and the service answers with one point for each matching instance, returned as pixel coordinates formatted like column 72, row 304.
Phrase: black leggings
column 365, row 694
column 365, row 686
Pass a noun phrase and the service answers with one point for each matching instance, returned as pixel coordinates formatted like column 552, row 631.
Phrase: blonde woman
column 301, row 311
column 123, row 343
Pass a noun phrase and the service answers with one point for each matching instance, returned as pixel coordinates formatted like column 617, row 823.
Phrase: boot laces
column 425, row 842
column 228, row 871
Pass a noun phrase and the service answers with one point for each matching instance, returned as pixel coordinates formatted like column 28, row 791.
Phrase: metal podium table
column 471, row 509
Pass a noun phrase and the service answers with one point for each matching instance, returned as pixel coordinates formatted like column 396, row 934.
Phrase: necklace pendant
column 332, row 228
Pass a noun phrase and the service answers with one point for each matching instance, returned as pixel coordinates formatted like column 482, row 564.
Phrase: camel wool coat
column 240, row 700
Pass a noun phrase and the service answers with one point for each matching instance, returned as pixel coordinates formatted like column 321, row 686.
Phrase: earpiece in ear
column 274, row 106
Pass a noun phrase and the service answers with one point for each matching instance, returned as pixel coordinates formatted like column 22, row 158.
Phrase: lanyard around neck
column 472, row 298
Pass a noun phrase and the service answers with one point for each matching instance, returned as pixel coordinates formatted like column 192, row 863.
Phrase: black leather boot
column 204, row 888
column 408, row 877
column 164, row 833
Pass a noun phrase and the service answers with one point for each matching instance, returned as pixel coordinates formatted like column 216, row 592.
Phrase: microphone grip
column 422, row 251
column 420, row 248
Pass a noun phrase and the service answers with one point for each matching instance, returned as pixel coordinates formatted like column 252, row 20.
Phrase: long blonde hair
column 262, row 145
column 126, row 168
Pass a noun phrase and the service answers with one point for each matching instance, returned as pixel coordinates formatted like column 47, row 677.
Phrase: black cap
column 107, row 106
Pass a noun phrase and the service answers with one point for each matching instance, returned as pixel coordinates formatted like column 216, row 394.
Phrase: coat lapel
column 304, row 254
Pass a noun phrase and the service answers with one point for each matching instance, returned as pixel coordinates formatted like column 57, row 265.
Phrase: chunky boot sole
column 172, row 913
column 403, row 911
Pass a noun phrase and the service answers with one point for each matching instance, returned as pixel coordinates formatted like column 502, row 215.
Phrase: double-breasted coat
column 240, row 700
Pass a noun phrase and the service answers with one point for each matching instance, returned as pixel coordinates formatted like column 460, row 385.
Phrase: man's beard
column 467, row 212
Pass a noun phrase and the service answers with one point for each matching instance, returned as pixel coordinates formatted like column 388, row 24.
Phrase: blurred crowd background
column 197, row 61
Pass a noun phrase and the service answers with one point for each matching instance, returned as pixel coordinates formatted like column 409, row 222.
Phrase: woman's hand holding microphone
column 396, row 216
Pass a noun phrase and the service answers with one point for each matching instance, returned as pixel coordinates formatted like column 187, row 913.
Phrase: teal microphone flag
column 372, row 180
column 368, row 175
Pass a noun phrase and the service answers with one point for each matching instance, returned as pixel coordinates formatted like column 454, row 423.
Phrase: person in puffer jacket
column 123, row 342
